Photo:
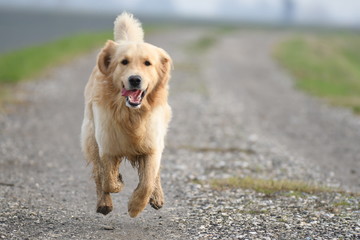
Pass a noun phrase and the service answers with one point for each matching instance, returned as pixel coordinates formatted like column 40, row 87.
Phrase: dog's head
column 137, row 69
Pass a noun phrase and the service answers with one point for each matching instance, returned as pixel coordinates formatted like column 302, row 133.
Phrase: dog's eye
column 124, row 62
column 147, row 63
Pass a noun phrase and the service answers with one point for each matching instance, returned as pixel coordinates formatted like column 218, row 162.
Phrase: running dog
column 127, row 115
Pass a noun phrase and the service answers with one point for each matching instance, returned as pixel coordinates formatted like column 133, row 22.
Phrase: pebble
column 107, row 227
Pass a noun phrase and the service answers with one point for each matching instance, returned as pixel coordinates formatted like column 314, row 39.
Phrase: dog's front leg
column 108, row 180
column 104, row 202
column 157, row 197
column 148, row 168
column 111, row 179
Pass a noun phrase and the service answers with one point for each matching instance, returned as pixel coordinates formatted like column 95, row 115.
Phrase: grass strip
column 325, row 65
column 267, row 186
column 29, row 62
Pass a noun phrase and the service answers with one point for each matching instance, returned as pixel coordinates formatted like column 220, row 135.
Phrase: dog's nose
column 135, row 80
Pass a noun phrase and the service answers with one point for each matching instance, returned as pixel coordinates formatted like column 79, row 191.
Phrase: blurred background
column 43, row 20
column 323, row 53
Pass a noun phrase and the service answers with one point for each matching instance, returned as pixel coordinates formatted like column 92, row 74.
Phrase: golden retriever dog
column 127, row 116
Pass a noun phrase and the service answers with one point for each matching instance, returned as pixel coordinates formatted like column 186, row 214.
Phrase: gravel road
column 236, row 113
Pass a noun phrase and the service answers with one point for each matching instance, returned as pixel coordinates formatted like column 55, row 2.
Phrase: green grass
column 342, row 203
column 325, row 65
column 202, row 44
column 268, row 186
column 30, row 62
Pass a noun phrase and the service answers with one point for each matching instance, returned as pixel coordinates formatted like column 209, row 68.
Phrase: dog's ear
column 165, row 66
column 105, row 57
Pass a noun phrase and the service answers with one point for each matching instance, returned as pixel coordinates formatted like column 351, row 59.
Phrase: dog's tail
column 128, row 28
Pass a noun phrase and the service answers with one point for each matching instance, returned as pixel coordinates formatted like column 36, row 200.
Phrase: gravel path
column 235, row 114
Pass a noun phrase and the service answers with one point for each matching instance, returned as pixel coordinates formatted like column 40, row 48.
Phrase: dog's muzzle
column 134, row 97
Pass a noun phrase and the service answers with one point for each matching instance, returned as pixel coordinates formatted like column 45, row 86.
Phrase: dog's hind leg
column 148, row 168
column 157, row 197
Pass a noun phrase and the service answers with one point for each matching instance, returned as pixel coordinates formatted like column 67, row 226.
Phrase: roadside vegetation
column 31, row 61
column 325, row 65
column 202, row 44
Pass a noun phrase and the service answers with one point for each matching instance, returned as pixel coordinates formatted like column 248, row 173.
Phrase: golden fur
column 112, row 131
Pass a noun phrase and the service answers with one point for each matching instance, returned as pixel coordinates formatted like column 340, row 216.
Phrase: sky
column 335, row 12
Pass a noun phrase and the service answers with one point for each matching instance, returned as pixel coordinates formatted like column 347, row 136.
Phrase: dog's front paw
column 156, row 204
column 104, row 205
column 136, row 205
column 104, row 209
column 157, row 200
column 135, row 208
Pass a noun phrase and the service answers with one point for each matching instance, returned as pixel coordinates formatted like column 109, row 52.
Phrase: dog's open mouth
column 134, row 97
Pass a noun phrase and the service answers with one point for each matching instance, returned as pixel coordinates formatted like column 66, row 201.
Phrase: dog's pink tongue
column 134, row 94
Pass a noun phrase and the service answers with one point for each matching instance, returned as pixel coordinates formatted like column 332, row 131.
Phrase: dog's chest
column 123, row 138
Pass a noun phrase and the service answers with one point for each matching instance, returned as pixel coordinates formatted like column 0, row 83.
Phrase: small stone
column 253, row 138
column 107, row 227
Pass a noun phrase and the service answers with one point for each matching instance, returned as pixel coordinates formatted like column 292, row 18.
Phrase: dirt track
column 233, row 95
